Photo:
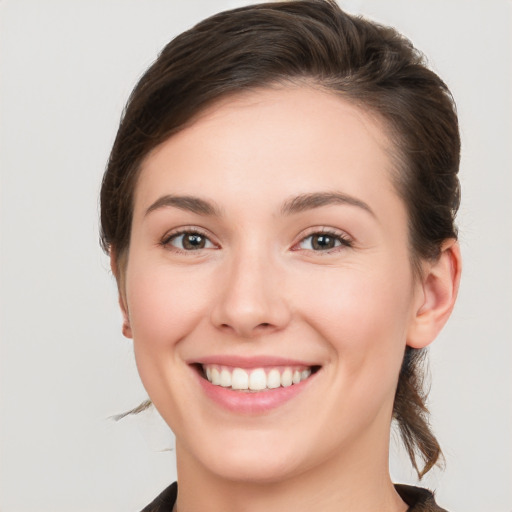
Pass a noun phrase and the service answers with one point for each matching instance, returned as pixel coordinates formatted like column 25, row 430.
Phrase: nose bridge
column 251, row 299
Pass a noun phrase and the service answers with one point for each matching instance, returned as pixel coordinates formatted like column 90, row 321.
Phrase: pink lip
column 251, row 403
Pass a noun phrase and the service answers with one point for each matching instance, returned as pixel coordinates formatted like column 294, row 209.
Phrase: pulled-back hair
column 314, row 42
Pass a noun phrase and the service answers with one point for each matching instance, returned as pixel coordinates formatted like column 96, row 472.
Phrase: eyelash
column 341, row 239
column 169, row 238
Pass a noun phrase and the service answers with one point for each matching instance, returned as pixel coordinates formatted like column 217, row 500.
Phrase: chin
column 253, row 458
column 256, row 469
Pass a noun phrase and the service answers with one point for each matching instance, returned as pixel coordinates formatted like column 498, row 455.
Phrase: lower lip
column 243, row 402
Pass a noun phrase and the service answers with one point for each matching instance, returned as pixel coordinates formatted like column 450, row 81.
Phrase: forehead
column 291, row 139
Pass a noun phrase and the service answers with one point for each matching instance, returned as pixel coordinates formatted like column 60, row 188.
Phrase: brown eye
column 324, row 242
column 193, row 241
column 190, row 241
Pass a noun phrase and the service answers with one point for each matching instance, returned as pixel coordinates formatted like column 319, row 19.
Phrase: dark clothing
column 164, row 501
column 418, row 499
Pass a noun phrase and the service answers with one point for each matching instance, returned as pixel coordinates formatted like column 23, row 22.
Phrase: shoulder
column 418, row 499
column 164, row 502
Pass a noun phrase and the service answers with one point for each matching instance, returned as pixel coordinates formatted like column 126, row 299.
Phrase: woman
column 279, row 211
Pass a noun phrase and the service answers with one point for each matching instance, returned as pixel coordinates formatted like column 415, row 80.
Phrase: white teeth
column 225, row 378
column 215, row 377
column 258, row 379
column 273, row 379
column 239, row 379
column 305, row 374
column 286, row 378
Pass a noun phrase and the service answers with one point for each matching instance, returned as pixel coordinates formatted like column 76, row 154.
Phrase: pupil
column 323, row 242
column 193, row 241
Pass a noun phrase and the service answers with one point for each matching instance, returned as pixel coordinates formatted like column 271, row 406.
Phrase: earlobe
column 440, row 285
column 126, row 328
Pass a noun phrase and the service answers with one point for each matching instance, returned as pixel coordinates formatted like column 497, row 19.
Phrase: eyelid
column 183, row 230
column 345, row 239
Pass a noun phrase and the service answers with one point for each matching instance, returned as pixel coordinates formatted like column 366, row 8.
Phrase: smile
column 257, row 379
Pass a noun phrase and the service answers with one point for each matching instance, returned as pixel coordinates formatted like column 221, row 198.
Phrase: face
column 269, row 290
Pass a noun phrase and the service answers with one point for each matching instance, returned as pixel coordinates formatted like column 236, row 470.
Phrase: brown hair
column 313, row 41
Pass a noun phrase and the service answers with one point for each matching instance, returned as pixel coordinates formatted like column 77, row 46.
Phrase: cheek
column 164, row 305
column 364, row 316
column 357, row 300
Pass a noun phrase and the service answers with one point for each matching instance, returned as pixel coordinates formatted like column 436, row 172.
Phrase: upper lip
column 251, row 362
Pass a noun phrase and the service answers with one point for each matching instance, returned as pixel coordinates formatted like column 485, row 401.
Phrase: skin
column 259, row 288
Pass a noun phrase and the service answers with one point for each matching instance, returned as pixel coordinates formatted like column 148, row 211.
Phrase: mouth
column 253, row 380
column 255, row 385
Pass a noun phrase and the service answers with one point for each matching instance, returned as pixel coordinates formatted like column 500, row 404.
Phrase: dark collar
column 418, row 499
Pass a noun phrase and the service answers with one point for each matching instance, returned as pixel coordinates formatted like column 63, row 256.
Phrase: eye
column 189, row 241
column 323, row 241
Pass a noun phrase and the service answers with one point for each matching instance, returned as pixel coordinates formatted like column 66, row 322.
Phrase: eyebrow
column 300, row 203
column 305, row 202
column 187, row 203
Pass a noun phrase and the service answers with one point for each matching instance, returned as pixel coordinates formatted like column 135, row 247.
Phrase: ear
column 439, row 288
column 127, row 330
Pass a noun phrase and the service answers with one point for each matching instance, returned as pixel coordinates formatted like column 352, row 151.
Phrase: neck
column 354, row 481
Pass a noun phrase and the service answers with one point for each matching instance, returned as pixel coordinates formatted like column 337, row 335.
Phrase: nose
column 251, row 298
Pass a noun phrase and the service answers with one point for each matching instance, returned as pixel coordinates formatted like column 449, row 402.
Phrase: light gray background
column 66, row 69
